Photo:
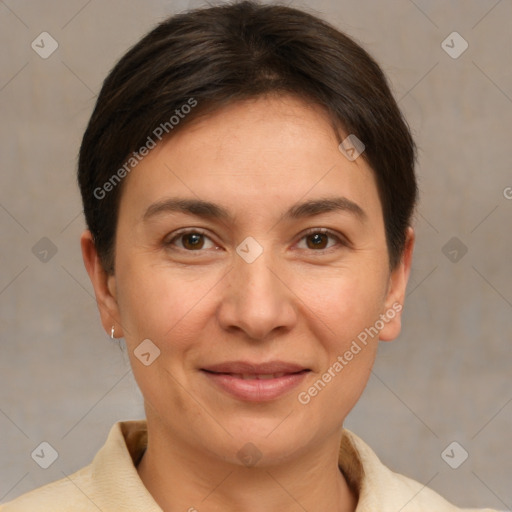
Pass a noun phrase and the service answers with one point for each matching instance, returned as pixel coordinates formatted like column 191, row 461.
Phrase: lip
column 257, row 386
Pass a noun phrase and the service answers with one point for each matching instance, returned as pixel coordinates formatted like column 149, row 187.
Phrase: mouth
column 257, row 376
column 256, row 382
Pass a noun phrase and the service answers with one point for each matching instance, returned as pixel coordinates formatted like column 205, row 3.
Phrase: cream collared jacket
column 111, row 482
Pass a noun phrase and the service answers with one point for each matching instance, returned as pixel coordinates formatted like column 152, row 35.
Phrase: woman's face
column 249, row 239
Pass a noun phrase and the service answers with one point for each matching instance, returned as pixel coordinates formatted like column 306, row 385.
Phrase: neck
column 185, row 478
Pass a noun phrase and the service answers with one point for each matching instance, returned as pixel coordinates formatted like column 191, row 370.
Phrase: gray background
column 447, row 378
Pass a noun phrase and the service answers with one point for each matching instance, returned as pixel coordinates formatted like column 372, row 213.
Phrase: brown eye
column 193, row 241
column 321, row 239
column 317, row 241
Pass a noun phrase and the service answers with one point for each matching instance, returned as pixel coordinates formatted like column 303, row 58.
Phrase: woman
column 248, row 185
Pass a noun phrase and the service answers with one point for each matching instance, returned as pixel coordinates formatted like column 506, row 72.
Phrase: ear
column 396, row 291
column 104, row 286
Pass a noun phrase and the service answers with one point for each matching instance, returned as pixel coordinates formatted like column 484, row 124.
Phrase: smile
column 253, row 382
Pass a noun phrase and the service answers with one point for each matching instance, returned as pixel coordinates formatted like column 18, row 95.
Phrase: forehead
column 254, row 156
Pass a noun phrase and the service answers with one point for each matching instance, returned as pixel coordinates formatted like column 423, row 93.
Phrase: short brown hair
column 221, row 54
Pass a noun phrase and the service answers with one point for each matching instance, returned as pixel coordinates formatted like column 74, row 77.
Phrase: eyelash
column 339, row 239
column 197, row 231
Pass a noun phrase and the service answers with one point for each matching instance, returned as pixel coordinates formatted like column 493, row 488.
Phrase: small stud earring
column 112, row 332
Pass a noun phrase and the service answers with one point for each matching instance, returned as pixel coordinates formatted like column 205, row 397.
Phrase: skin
column 296, row 302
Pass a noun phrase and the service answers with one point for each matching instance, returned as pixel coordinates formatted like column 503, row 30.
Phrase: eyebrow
column 326, row 205
column 198, row 207
column 209, row 210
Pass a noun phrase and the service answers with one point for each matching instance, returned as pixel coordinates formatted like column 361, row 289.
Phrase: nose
column 257, row 300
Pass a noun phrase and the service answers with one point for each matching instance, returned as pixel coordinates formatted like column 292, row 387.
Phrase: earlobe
column 103, row 284
column 396, row 291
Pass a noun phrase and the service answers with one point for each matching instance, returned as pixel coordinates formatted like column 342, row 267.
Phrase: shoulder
column 109, row 483
column 56, row 496
column 384, row 490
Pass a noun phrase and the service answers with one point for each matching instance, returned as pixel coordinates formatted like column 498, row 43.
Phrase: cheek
column 344, row 302
column 163, row 304
column 344, row 311
column 345, row 314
